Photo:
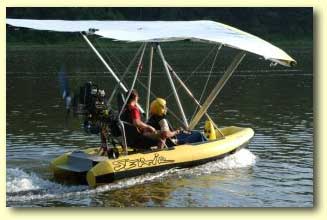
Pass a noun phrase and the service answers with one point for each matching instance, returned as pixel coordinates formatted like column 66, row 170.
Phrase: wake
column 23, row 186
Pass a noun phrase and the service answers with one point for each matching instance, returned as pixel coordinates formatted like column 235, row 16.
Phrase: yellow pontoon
column 97, row 170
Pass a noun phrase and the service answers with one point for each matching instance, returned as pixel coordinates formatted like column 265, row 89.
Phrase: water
column 276, row 170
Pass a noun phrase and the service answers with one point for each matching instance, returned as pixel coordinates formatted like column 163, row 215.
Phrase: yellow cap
column 158, row 107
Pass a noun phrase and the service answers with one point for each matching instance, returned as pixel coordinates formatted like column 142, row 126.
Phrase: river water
column 276, row 170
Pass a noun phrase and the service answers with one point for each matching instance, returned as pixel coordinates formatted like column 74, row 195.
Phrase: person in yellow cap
column 158, row 112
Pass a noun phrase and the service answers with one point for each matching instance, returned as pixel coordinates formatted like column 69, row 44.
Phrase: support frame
column 216, row 90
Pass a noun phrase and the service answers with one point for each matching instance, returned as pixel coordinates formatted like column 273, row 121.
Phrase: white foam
column 241, row 159
column 18, row 180
column 21, row 181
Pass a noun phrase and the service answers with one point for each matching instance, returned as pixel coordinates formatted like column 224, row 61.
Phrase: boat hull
column 101, row 170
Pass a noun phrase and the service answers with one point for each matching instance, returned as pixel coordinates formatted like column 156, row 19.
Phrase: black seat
column 134, row 139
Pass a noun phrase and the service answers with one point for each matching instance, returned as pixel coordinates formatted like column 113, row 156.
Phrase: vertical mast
column 149, row 84
column 173, row 86
column 134, row 81
column 125, row 103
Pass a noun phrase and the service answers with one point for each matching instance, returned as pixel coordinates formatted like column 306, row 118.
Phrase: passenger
column 158, row 111
column 135, row 114
column 147, row 134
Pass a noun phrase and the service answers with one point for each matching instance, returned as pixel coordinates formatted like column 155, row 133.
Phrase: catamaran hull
column 87, row 167
column 110, row 177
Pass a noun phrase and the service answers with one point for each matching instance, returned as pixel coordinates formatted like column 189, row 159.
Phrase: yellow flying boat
column 90, row 166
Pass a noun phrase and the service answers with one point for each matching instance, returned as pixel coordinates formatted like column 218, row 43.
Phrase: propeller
column 64, row 89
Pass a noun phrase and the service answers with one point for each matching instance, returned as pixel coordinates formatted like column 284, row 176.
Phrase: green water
column 277, row 102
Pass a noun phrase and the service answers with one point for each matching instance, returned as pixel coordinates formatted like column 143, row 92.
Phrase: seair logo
column 128, row 164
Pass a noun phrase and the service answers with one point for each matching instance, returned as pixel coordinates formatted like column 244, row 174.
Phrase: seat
column 134, row 139
column 131, row 136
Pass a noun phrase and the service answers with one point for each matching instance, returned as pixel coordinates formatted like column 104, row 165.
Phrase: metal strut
column 125, row 74
column 121, row 85
column 105, row 63
column 188, row 91
column 127, row 97
column 149, row 84
column 134, row 81
column 173, row 87
column 228, row 73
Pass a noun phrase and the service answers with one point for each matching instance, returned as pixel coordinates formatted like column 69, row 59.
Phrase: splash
column 23, row 186
column 18, row 180
column 241, row 159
